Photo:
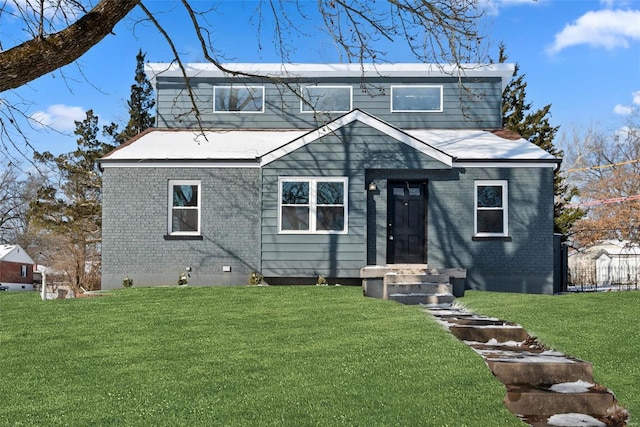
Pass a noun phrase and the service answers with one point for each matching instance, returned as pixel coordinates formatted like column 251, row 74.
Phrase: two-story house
column 322, row 169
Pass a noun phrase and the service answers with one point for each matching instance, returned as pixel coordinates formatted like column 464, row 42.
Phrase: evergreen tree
column 140, row 103
column 70, row 208
column 535, row 127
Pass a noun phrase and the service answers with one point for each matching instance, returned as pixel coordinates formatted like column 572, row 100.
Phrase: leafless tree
column 606, row 167
column 58, row 32
column 17, row 189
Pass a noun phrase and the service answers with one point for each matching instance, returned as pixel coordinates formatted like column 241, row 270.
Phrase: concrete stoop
column 544, row 387
column 411, row 283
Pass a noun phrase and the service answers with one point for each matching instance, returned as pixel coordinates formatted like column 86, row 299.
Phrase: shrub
column 182, row 279
column 255, row 278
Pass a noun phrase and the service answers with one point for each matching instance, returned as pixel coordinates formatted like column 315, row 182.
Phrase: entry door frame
column 392, row 256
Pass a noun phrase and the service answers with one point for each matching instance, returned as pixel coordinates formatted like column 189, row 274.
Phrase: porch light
column 372, row 186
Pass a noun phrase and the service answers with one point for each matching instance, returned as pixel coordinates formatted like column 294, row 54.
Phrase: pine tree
column 70, row 209
column 140, row 103
column 535, row 127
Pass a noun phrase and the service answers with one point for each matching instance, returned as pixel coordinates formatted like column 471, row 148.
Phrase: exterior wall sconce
column 372, row 186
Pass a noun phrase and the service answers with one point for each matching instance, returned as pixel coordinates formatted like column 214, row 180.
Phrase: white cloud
column 605, row 28
column 616, row 3
column 625, row 110
column 492, row 7
column 622, row 110
column 59, row 117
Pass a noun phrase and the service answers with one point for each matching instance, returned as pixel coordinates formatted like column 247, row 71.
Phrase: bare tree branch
column 41, row 55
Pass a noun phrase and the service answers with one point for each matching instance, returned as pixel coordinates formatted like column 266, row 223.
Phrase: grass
column 290, row 356
column 602, row 328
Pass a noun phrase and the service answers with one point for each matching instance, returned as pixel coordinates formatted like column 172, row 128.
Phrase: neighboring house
column 606, row 263
column 370, row 165
column 16, row 268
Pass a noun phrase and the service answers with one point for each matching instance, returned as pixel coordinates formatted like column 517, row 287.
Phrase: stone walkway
column 544, row 387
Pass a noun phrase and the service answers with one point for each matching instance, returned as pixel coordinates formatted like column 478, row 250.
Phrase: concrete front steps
column 544, row 387
column 412, row 283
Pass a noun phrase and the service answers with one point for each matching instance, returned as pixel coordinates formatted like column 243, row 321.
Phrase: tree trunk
column 39, row 56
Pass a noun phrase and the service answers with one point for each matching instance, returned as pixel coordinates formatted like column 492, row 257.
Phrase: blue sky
column 581, row 56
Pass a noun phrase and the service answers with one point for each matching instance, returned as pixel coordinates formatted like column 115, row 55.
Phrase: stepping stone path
column 544, row 387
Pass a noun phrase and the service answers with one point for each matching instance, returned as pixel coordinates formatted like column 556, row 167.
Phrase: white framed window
column 238, row 99
column 416, row 98
column 326, row 99
column 313, row 205
column 184, row 207
column 491, row 208
column 23, row 271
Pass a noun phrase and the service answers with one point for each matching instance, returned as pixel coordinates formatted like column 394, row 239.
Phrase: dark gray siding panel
column 521, row 263
column 524, row 262
column 135, row 223
column 356, row 148
column 474, row 105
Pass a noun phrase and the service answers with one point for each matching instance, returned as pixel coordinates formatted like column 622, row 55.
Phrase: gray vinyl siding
column 349, row 153
column 135, row 206
column 472, row 104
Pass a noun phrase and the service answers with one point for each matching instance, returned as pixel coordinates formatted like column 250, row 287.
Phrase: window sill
column 181, row 237
column 491, row 238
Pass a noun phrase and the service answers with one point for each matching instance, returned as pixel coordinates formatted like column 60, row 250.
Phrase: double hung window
column 327, row 99
column 238, row 99
column 184, row 208
column 407, row 99
column 312, row 205
column 491, row 206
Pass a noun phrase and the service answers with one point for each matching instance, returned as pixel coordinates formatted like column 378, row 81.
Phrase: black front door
column 406, row 228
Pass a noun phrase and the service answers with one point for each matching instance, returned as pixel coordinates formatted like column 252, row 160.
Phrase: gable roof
column 14, row 253
column 360, row 116
column 255, row 148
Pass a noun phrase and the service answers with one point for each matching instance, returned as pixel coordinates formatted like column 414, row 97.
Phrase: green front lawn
column 243, row 356
column 602, row 328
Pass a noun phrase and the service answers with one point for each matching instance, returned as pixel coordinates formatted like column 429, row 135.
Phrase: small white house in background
column 16, row 268
column 606, row 263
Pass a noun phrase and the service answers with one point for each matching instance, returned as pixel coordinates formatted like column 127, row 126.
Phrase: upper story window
column 238, row 99
column 327, row 99
column 312, row 205
column 491, row 206
column 184, row 207
column 424, row 99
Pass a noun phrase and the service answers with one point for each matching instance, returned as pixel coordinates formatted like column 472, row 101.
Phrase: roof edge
column 315, row 70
